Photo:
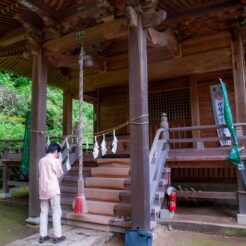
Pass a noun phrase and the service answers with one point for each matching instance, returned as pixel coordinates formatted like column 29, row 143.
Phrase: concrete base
column 241, row 219
column 33, row 220
column 204, row 227
column 165, row 214
column 5, row 195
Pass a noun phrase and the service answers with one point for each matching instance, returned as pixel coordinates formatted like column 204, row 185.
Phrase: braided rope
column 80, row 126
column 130, row 122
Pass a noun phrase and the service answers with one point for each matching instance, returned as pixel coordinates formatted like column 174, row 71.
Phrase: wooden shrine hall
column 143, row 58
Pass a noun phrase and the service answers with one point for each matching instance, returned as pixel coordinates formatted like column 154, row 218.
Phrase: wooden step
column 110, row 172
column 112, row 183
column 102, row 194
column 71, row 179
column 67, row 200
column 117, row 162
column 75, row 172
column 100, row 207
column 69, row 189
column 122, row 209
column 125, row 196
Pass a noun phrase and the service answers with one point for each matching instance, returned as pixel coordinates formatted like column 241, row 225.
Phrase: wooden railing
column 68, row 150
column 205, row 161
column 157, row 158
column 199, row 142
column 10, row 149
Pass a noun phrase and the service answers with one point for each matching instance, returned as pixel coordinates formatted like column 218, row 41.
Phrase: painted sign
column 218, row 109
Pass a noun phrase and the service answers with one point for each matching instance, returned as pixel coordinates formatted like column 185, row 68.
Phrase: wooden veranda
column 143, row 58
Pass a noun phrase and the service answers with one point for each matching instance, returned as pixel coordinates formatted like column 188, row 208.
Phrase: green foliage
column 15, row 101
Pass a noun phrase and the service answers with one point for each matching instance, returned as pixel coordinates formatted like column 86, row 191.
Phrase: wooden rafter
column 40, row 7
column 12, row 37
column 194, row 64
column 163, row 39
column 107, row 31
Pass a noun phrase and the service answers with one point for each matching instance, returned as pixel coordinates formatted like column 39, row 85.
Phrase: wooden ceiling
column 28, row 24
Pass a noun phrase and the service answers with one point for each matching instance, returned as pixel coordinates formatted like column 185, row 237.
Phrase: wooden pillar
column 38, row 125
column 5, row 180
column 194, row 107
column 97, row 117
column 139, row 133
column 240, row 101
column 67, row 111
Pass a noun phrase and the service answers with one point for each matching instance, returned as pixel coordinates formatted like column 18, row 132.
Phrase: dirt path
column 12, row 223
column 163, row 237
column 186, row 238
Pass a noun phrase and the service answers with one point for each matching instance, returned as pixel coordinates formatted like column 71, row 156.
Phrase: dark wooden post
column 240, row 101
column 67, row 111
column 139, row 133
column 195, row 114
column 6, row 193
column 38, row 124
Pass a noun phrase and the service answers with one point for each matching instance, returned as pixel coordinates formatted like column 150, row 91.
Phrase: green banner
column 234, row 155
column 25, row 158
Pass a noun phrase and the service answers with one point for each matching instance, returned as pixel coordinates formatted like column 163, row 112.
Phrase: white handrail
column 157, row 158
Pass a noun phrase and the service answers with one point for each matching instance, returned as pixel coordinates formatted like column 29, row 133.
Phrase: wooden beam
column 13, row 50
column 60, row 60
column 195, row 64
column 194, row 108
column 139, row 133
column 208, row 195
column 38, row 124
column 107, row 31
column 238, row 61
column 132, row 17
column 13, row 37
column 153, row 17
column 40, row 7
column 67, row 111
column 163, row 39
column 199, row 164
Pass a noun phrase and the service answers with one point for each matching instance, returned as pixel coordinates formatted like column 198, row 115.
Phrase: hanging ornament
column 103, row 146
column 57, row 141
column 114, row 143
column 95, row 149
column 68, row 165
column 87, row 144
column 48, row 142
column 67, row 144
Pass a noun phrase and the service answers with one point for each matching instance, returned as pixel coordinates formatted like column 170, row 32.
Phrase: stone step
column 90, row 218
column 112, row 183
column 114, row 162
column 92, row 221
column 97, row 227
column 110, row 172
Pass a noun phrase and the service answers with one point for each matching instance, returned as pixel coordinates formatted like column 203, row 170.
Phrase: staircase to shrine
column 108, row 196
column 108, row 187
